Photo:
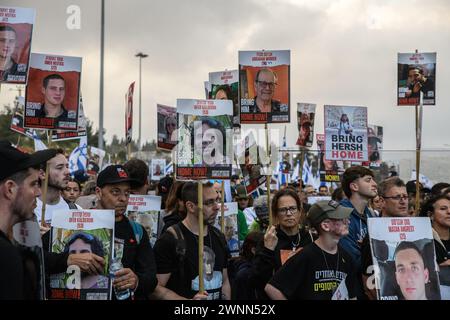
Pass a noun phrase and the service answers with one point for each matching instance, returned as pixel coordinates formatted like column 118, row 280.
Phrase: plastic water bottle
column 116, row 265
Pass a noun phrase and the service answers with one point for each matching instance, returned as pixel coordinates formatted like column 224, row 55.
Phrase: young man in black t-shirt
column 178, row 272
column 323, row 270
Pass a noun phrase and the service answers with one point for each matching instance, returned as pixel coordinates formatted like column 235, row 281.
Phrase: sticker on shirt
column 285, row 255
column 341, row 292
column 212, row 279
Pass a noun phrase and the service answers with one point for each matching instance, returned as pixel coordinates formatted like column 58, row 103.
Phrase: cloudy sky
column 343, row 52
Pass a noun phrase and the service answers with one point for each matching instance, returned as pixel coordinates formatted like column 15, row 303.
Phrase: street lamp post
column 140, row 55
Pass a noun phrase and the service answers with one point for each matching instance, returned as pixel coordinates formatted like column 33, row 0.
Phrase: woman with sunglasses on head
column 282, row 240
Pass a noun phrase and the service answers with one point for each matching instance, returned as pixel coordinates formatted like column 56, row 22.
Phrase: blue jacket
column 357, row 230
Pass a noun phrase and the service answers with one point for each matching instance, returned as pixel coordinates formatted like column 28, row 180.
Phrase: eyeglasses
column 211, row 202
column 271, row 85
column 284, row 211
column 397, row 198
column 117, row 192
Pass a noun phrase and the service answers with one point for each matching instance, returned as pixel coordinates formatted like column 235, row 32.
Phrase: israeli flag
column 78, row 158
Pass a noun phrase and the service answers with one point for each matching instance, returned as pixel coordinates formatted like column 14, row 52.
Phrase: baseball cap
column 325, row 209
column 114, row 174
column 12, row 160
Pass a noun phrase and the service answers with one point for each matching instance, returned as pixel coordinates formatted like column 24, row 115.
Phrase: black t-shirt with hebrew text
column 313, row 274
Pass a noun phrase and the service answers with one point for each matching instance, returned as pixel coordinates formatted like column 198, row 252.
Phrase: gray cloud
column 342, row 52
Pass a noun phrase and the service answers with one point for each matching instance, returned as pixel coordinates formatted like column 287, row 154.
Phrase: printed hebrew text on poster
column 60, row 135
column 264, row 86
column 224, row 86
column 16, row 29
column 404, row 258
column 204, row 139
column 145, row 209
column 330, row 170
column 305, row 123
column 78, row 231
column 416, row 75
column 53, row 92
column 345, row 133
column 167, row 125
column 158, row 169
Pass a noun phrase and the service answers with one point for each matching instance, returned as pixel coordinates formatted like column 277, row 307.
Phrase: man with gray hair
column 394, row 203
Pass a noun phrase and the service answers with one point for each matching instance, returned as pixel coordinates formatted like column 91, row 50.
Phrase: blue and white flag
column 78, row 158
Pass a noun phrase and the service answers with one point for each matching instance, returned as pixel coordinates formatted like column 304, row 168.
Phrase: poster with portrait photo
column 345, row 133
column 305, row 123
column 264, row 86
column 416, row 75
column 204, row 149
column 230, row 227
column 249, row 159
column 27, row 238
column 16, row 30
column 129, row 114
column 158, row 169
column 146, row 210
column 80, row 231
column 61, row 135
column 167, row 125
column 329, row 170
column 404, row 258
column 374, row 146
column 53, row 92
column 224, row 85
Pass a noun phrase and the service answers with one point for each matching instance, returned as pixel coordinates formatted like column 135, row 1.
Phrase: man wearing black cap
column 322, row 270
column 19, row 187
column 139, row 272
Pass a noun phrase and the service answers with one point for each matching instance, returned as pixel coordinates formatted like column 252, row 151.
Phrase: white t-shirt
column 49, row 208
